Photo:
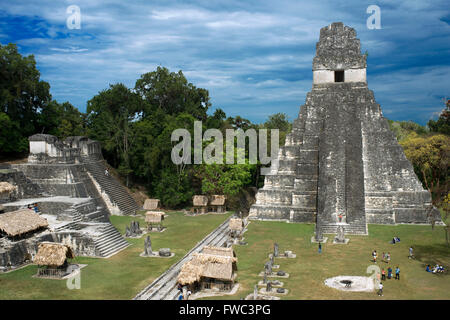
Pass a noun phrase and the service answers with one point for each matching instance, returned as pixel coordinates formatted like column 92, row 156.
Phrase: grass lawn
column 309, row 270
column 123, row 275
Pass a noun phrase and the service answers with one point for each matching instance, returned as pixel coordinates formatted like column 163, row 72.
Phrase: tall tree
column 110, row 116
column 22, row 96
column 172, row 93
column 442, row 125
column 430, row 157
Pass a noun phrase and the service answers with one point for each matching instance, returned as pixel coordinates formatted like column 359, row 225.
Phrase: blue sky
column 254, row 57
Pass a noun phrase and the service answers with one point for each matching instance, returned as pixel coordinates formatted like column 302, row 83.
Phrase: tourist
column 36, row 209
column 106, row 172
column 380, row 289
column 320, row 247
column 188, row 294
column 340, row 218
column 388, row 257
column 397, row 273
column 383, row 274
column 411, row 255
column 389, row 273
column 428, row 268
column 180, row 297
column 383, row 257
column 374, row 255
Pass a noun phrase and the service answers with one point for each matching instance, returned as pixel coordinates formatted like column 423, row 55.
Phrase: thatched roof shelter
column 213, row 262
column 53, row 254
column 154, row 216
column 219, row 251
column 200, row 201
column 207, row 266
column 6, row 187
column 151, row 204
column 236, row 224
column 20, row 222
column 217, row 200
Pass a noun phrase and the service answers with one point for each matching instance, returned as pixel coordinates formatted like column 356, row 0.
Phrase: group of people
column 183, row 296
column 386, row 256
column 389, row 276
column 437, row 269
column 389, row 273
column 34, row 207
column 395, row 240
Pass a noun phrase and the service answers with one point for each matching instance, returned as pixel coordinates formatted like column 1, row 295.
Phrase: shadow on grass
column 432, row 254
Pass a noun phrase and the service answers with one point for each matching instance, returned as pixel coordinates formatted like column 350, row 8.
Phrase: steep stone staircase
column 110, row 241
column 117, row 194
column 107, row 241
column 357, row 227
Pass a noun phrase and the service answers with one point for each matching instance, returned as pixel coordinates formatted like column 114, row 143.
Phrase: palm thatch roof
column 217, row 200
column 218, row 251
column 207, row 266
column 200, row 201
column 19, row 222
column 151, row 204
column 154, row 216
column 53, row 254
column 6, row 187
column 236, row 224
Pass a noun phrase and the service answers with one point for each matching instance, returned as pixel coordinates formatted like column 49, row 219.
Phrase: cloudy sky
column 254, row 57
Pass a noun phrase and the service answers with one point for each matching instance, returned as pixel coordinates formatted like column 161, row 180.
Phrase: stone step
column 112, row 187
column 114, row 243
column 113, row 250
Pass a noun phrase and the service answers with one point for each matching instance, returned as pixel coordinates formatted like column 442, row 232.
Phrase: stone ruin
column 161, row 253
column 341, row 162
column 67, row 180
column 134, row 230
column 148, row 247
column 340, row 236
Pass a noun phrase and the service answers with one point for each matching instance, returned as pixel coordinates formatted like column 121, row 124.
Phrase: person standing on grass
column 397, row 273
column 383, row 274
column 389, row 273
column 388, row 257
column 411, row 255
column 374, row 255
column 320, row 247
column 380, row 289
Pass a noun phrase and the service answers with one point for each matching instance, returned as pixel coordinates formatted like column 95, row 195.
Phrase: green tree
column 442, row 125
column 402, row 129
column 22, row 96
column 430, row 157
column 110, row 117
column 172, row 93
column 62, row 120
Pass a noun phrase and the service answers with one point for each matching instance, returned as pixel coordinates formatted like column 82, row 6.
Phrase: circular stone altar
column 351, row 283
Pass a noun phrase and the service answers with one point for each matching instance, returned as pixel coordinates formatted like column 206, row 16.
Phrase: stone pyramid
column 341, row 159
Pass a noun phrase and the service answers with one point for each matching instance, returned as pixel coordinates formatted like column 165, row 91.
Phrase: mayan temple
column 341, row 164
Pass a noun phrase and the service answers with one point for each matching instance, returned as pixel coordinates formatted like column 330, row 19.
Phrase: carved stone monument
column 148, row 246
column 134, row 230
column 275, row 250
column 340, row 236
